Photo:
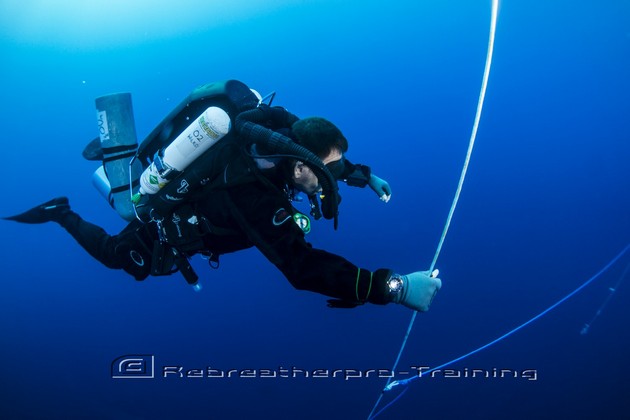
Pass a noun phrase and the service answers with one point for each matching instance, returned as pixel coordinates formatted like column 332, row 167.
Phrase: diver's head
column 304, row 179
column 320, row 136
column 325, row 140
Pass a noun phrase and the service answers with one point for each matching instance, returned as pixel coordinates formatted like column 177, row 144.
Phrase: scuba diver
column 235, row 193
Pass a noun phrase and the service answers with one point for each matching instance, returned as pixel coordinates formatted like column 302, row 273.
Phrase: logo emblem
column 183, row 187
column 103, row 127
column 303, row 222
column 171, row 198
column 136, row 257
column 137, row 366
column 280, row 217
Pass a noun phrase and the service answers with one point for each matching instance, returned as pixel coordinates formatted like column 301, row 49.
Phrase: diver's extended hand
column 380, row 187
column 417, row 290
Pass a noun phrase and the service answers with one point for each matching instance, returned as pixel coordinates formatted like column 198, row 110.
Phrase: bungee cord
column 504, row 336
column 473, row 136
column 611, row 291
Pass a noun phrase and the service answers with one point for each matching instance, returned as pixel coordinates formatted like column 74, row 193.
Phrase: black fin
column 49, row 211
column 93, row 150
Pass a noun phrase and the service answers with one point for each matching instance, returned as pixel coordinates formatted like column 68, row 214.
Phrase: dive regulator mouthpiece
column 246, row 125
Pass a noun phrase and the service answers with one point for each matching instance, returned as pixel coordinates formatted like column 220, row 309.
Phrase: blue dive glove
column 380, row 187
column 416, row 290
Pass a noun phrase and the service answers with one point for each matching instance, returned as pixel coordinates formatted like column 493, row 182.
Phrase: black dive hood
column 248, row 126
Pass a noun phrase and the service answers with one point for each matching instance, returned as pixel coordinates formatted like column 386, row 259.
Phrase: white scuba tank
column 118, row 143
column 210, row 127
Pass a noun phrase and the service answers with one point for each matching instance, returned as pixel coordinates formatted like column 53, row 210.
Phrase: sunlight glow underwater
column 112, row 23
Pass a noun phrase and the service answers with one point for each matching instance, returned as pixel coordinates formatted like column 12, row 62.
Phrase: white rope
column 471, row 144
column 473, row 136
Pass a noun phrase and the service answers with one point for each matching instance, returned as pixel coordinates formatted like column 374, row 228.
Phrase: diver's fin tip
column 49, row 211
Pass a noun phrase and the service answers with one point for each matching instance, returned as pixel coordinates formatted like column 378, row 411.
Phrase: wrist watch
column 395, row 283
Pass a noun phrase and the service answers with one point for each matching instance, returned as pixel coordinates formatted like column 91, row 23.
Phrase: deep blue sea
column 545, row 206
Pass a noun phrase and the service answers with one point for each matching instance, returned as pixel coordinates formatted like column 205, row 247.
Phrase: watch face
column 395, row 284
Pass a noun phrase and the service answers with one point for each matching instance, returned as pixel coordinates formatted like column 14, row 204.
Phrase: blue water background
column 545, row 206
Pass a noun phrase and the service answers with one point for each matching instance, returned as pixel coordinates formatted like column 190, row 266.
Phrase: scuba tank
column 210, row 127
column 176, row 162
column 118, row 145
column 172, row 159
column 103, row 186
column 178, row 158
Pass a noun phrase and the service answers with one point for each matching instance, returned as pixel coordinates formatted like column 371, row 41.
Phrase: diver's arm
column 307, row 268
column 358, row 175
column 257, row 210
column 331, row 275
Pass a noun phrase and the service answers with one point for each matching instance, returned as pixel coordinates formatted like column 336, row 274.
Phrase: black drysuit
column 254, row 212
